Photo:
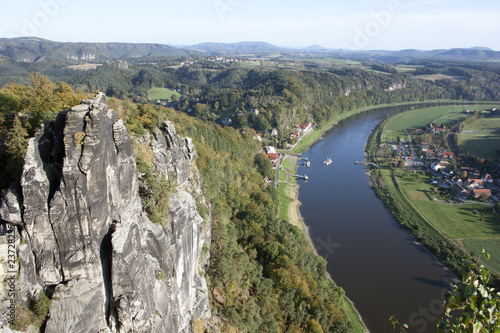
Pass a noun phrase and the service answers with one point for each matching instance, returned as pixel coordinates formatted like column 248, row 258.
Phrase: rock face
column 88, row 240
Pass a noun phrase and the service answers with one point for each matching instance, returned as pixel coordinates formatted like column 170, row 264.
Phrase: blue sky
column 375, row 24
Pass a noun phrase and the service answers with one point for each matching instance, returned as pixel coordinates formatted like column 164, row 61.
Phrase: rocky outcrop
column 396, row 86
column 87, row 239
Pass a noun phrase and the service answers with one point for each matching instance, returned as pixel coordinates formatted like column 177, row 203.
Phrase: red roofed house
column 437, row 129
column 430, row 153
column 477, row 192
column 273, row 157
column 304, row 127
column 448, row 154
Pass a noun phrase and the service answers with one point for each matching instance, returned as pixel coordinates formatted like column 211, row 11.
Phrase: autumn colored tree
column 17, row 142
column 22, row 110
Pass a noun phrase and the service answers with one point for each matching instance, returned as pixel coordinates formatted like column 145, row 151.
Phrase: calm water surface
column 381, row 267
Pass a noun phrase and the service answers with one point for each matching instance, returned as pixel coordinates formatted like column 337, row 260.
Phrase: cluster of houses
column 432, row 129
column 225, row 60
column 240, row 113
column 466, row 182
column 271, row 152
column 187, row 63
column 300, row 130
column 474, row 186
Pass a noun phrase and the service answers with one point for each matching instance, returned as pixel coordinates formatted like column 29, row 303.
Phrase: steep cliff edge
column 87, row 238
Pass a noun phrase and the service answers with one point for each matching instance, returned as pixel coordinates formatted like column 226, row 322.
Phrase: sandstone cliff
column 87, row 240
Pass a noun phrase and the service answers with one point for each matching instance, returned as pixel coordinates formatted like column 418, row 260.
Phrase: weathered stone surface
column 86, row 233
column 75, row 308
column 173, row 155
column 10, row 210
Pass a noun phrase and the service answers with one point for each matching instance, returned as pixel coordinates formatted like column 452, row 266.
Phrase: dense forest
column 213, row 91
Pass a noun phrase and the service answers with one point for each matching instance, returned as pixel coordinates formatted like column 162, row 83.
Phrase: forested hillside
column 263, row 274
column 32, row 49
column 214, row 90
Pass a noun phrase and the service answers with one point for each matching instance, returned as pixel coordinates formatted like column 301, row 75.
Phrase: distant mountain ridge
column 32, row 49
column 238, row 48
column 460, row 54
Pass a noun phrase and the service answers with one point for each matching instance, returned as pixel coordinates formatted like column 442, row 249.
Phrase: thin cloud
column 419, row 3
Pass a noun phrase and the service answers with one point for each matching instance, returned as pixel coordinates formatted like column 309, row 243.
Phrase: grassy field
column 482, row 144
column 249, row 64
column 434, row 77
column 475, row 246
column 85, row 66
column 283, row 189
column 452, row 119
column 421, row 117
column 323, row 60
column 461, row 221
column 473, row 226
column 489, row 123
column 162, row 93
column 354, row 317
column 404, row 69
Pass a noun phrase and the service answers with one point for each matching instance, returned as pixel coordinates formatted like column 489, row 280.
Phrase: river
column 380, row 266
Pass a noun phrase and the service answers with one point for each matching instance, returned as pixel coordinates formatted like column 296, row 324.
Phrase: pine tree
column 16, row 145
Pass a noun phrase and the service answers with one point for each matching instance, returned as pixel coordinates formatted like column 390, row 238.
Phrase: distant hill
column 32, row 49
column 458, row 54
column 238, row 48
column 315, row 48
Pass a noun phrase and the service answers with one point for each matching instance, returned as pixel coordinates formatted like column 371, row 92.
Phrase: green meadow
column 412, row 120
column 484, row 141
column 484, row 124
column 162, row 93
column 283, row 189
column 482, row 144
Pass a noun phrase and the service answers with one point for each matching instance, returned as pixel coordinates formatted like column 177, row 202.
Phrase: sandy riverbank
column 296, row 219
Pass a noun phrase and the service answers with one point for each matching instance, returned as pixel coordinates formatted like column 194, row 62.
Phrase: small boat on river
column 328, row 161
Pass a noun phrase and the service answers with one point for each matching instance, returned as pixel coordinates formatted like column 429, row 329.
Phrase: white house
column 487, row 179
column 270, row 150
column 413, row 162
column 438, row 166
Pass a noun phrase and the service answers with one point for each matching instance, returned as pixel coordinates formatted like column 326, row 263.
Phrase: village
column 450, row 169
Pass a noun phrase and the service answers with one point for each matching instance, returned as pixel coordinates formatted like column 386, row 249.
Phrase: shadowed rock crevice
column 106, row 255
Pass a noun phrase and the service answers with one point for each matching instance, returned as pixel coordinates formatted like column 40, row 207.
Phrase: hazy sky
column 363, row 24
